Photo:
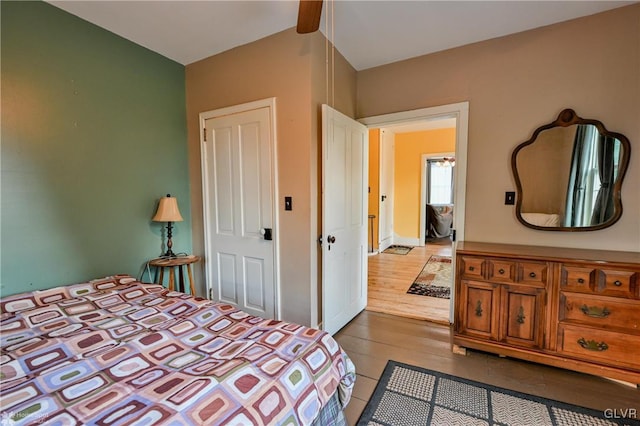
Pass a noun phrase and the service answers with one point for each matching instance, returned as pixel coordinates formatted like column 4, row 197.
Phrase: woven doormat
column 435, row 278
column 395, row 249
column 407, row 395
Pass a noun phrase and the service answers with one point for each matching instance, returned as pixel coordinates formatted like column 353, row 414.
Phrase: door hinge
column 211, row 294
column 453, row 235
column 204, row 133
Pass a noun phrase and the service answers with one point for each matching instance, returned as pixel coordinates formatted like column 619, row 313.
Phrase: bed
column 116, row 351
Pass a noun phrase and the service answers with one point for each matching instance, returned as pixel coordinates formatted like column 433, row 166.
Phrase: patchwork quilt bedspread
column 115, row 351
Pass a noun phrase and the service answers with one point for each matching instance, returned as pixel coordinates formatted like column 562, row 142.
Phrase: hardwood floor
column 371, row 339
column 391, row 275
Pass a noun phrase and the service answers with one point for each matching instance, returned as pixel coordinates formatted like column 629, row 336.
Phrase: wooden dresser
column 571, row 308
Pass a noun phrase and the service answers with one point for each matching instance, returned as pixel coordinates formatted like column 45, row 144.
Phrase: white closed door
column 387, row 150
column 238, row 190
column 344, row 218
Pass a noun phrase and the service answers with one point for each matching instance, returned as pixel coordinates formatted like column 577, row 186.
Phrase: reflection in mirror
column 569, row 175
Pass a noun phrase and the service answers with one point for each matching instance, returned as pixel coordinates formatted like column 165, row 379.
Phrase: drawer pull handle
column 501, row 271
column 520, row 317
column 592, row 345
column 617, row 283
column 471, row 268
column 594, row 311
column 479, row 309
column 581, row 280
column 532, row 274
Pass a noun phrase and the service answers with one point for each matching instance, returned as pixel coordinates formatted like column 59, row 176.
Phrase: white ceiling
column 367, row 33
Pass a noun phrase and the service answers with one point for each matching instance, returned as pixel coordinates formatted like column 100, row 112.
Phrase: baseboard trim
column 406, row 241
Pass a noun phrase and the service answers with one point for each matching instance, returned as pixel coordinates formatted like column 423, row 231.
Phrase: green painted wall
column 93, row 134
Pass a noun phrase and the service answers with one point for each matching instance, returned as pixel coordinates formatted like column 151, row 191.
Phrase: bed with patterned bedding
column 116, row 351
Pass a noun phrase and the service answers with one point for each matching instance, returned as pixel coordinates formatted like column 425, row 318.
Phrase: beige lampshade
column 168, row 210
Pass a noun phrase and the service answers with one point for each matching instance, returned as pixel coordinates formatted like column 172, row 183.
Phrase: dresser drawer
column 502, row 270
column 607, row 282
column 533, row 273
column 618, row 283
column 605, row 347
column 605, row 312
column 508, row 271
column 578, row 278
column 472, row 267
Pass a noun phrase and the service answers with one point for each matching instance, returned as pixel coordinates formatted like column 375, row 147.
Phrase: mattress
column 115, row 351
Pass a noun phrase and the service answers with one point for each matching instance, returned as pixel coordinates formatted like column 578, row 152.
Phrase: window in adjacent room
column 440, row 176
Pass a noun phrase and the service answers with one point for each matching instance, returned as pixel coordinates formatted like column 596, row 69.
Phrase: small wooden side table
column 171, row 262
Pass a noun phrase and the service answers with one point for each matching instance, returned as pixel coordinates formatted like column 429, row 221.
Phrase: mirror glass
column 569, row 175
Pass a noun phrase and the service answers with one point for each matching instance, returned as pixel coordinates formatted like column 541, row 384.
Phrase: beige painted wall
column 515, row 84
column 285, row 66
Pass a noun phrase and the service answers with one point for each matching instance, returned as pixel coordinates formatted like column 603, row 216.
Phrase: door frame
column 230, row 110
column 460, row 111
column 384, row 161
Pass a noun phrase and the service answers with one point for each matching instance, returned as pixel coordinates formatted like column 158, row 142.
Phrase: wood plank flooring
column 391, row 275
column 372, row 338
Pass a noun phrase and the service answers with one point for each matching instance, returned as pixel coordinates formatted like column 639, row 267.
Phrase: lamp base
column 169, row 254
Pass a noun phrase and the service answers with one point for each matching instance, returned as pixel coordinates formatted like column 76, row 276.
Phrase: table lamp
column 168, row 212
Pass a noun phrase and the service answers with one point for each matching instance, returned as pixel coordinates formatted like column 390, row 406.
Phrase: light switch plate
column 509, row 198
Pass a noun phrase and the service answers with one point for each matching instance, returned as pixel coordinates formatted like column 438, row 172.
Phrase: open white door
column 344, row 218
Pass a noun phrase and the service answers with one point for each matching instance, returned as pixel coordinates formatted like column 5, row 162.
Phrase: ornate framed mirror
column 569, row 175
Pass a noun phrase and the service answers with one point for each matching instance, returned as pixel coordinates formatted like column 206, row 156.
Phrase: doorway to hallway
column 390, row 277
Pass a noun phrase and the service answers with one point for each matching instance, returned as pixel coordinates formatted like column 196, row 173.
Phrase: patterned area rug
column 435, row 278
column 397, row 249
column 408, row 395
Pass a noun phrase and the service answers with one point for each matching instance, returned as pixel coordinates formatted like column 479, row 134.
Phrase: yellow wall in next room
column 374, row 185
column 407, row 174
